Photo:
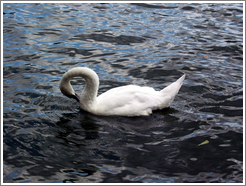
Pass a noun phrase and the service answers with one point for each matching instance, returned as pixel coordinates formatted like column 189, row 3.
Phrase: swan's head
column 67, row 89
column 92, row 82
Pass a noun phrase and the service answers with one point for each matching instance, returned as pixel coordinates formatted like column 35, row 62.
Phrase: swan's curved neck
column 92, row 82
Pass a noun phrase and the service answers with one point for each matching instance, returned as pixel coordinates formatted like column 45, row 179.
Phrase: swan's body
column 130, row 100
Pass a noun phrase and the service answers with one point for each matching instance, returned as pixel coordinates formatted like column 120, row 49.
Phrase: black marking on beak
column 75, row 96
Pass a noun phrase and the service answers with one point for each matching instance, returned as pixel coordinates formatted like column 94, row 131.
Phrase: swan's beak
column 76, row 97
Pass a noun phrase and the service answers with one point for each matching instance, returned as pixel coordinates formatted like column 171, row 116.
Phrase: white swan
column 130, row 100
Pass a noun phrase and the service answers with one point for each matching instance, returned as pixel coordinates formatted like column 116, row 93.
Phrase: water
column 48, row 139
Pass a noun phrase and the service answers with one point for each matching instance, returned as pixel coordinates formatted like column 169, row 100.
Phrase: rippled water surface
column 48, row 139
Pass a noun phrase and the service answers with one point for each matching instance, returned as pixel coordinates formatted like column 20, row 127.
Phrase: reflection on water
column 48, row 139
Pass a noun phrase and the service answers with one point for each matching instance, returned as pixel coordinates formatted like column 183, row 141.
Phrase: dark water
column 48, row 139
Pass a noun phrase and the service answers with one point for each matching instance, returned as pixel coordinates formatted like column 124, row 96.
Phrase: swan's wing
column 129, row 100
column 144, row 103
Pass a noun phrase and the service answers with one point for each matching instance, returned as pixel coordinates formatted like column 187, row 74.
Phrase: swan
column 129, row 100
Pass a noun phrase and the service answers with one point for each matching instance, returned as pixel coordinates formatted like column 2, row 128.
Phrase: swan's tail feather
column 173, row 88
column 181, row 79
